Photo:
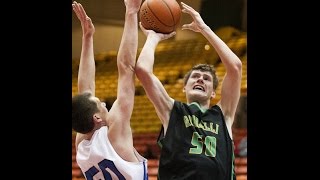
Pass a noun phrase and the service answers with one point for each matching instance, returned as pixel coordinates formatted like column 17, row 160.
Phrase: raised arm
column 155, row 91
column 86, row 74
column 230, row 91
column 122, row 108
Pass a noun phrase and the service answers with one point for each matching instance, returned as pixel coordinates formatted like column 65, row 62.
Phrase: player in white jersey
column 104, row 142
column 98, row 158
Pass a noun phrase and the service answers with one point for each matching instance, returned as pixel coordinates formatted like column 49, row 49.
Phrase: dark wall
column 219, row 13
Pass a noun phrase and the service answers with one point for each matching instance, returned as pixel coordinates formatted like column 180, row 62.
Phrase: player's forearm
column 86, row 74
column 146, row 59
column 129, row 42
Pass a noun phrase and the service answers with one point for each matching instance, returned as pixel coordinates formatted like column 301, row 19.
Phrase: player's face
column 199, row 85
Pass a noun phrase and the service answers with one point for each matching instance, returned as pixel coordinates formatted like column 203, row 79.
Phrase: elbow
column 140, row 71
column 235, row 69
column 126, row 62
column 237, row 66
column 143, row 74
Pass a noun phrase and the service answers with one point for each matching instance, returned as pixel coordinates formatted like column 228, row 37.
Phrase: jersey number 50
column 209, row 141
column 104, row 164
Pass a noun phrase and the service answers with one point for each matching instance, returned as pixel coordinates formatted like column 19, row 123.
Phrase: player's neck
column 202, row 105
column 89, row 135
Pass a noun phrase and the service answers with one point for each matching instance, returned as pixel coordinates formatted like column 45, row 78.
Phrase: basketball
column 162, row 16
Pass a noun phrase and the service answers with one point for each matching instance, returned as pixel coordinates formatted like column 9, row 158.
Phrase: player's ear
column 213, row 94
column 96, row 117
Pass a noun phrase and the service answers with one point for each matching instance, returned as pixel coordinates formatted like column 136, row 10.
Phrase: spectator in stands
column 196, row 138
column 104, row 142
column 243, row 147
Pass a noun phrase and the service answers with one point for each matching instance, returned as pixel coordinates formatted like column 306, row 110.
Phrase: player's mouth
column 199, row 88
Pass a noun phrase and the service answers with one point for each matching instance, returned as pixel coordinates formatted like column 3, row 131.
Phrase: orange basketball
column 162, row 16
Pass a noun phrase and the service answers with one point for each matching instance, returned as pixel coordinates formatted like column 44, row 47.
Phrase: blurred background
column 173, row 58
column 108, row 18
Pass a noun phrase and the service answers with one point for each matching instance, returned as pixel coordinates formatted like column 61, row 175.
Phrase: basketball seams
column 170, row 10
column 149, row 20
column 154, row 14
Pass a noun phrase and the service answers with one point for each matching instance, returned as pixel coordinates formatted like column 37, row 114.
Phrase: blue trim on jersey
column 145, row 175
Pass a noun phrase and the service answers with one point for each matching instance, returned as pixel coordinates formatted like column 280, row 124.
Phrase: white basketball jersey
column 99, row 161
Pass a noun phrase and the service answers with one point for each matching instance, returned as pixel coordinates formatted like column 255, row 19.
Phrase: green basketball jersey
column 196, row 146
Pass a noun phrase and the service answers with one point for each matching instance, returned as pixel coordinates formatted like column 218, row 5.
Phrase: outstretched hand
column 198, row 24
column 161, row 36
column 86, row 23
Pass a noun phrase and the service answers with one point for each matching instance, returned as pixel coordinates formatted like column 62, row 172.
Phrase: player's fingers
column 76, row 10
column 187, row 9
column 82, row 12
column 141, row 27
column 74, row 6
column 186, row 26
column 89, row 20
column 167, row 36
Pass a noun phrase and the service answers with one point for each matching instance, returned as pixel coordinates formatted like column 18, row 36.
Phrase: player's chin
column 198, row 94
